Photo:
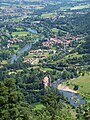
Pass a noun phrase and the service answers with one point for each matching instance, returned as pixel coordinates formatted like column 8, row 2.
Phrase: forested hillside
column 82, row 24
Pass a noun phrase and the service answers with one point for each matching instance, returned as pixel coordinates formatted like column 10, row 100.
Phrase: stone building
column 46, row 81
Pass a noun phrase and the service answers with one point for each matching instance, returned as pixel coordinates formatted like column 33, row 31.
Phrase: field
column 19, row 29
column 83, row 83
column 73, row 55
column 3, row 62
column 15, row 46
column 46, row 69
column 48, row 15
column 38, row 56
column 55, row 30
column 38, row 106
column 24, row 33
column 80, row 7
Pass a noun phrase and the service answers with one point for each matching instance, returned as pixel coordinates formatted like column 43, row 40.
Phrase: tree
column 55, row 107
column 83, row 112
column 11, row 102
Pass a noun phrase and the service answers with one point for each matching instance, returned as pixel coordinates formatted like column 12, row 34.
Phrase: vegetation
column 83, row 83
column 42, row 44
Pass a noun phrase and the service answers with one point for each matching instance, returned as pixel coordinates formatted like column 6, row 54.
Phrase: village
column 64, row 40
column 47, row 50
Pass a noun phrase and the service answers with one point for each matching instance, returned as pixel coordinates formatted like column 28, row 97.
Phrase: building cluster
column 40, row 54
column 30, row 60
column 64, row 40
column 81, row 13
column 41, row 51
column 50, row 42
column 14, row 40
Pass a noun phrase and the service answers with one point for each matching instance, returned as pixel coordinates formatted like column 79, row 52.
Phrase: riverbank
column 65, row 88
column 83, row 83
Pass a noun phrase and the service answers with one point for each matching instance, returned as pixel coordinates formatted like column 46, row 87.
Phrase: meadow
column 23, row 33
column 83, row 83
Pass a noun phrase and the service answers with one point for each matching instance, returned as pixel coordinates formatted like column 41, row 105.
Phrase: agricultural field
column 19, row 34
column 74, row 55
column 48, row 15
column 80, row 7
column 55, row 30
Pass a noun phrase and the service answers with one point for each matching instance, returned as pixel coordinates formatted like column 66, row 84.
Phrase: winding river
column 25, row 48
column 75, row 99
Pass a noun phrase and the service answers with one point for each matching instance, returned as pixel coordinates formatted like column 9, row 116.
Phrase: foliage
column 12, row 106
column 54, row 108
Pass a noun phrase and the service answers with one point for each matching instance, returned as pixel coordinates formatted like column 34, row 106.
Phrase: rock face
column 46, row 81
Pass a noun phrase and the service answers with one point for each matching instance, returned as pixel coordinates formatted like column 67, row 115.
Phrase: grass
column 11, row 73
column 84, row 85
column 55, row 30
column 20, row 70
column 74, row 55
column 38, row 106
column 4, row 62
column 20, row 29
column 16, row 19
column 24, row 33
column 80, row 7
column 13, row 19
column 48, row 15
column 14, row 46
column 46, row 69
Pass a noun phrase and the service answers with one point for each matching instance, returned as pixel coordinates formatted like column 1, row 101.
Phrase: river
column 75, row 99
column 25, row 48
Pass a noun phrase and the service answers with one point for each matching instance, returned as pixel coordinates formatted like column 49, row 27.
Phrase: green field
column 80, row 7
column 38, row 106
column 84, row 85
column 48, row 15
column 19, row 29
column 24, row 33
column 3, row 62
column 55, row 30
column 15, row 46
column 73, row 55
column 46, row 69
